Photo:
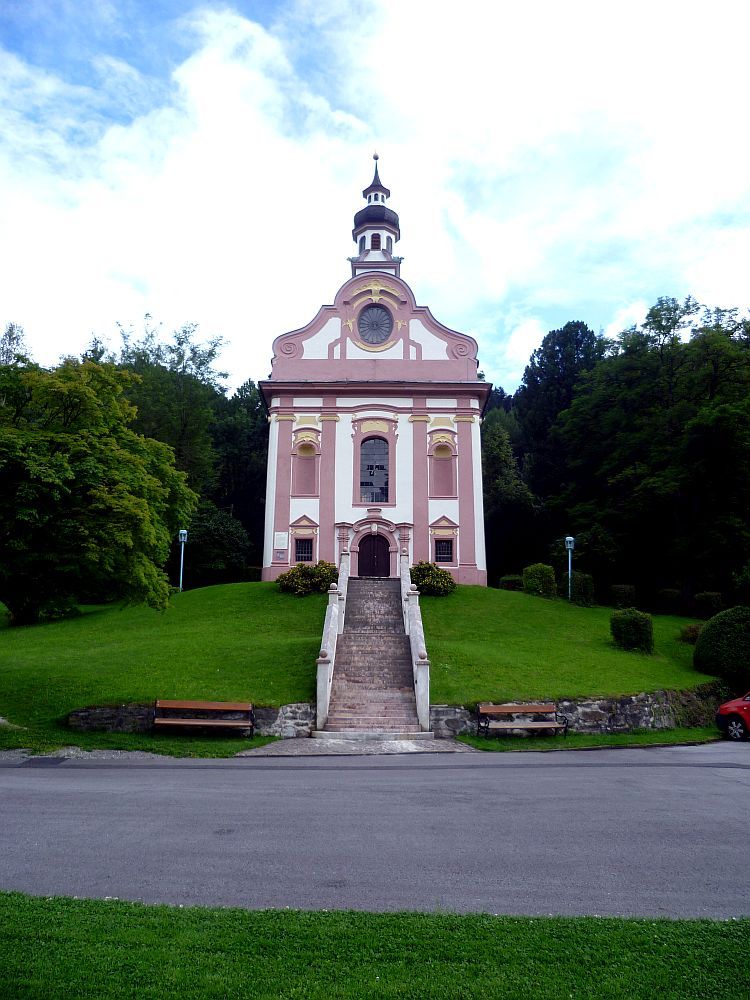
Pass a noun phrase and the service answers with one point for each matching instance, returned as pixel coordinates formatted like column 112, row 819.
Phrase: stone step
column 369, row 734
column 355, row 725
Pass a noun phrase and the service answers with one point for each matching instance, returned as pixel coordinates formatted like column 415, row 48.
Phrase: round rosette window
column 375, row 324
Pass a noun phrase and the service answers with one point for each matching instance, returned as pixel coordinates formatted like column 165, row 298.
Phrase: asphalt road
column 632, row 832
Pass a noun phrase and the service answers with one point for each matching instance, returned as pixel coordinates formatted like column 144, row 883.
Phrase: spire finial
column 375, row 155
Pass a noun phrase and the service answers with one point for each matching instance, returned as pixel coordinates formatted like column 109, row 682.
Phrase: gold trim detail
column 376, row 288
column 348, row 322
column 372, row 347
column 307, row 418
column 286, row 416
column 464, row 420
column 374, row 425
column 441, row 422
column 419, row 418
column 329, row 416
column 400, row 323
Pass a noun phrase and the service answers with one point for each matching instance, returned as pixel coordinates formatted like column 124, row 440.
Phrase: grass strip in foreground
column 55, row 948
column 580, row 741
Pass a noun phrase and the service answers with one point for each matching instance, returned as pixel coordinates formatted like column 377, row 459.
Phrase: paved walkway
column 340, row 747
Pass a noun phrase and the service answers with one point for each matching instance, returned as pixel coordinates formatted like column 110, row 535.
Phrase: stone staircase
column 372, row 695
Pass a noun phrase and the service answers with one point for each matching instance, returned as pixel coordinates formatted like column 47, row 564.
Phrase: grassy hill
column 489, row 644
column 248, row 641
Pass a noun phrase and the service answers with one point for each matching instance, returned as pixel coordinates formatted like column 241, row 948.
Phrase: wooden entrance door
column 374, row 556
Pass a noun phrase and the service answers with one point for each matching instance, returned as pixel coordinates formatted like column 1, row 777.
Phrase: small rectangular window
column 303, row 550
column 444, row 550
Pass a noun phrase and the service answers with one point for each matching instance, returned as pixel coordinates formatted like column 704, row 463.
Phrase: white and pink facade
column 374, row 412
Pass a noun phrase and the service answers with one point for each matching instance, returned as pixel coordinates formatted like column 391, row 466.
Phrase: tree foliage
column 87, row 505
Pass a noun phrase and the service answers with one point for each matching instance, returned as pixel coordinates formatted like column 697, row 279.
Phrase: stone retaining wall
column 652, row 710
column 290, row 720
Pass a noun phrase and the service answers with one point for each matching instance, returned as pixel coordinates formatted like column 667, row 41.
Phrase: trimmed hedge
column 632, row 629
column 539, row 579
column 306, row 578
column 723, row 647
column 581, row 590
column 512, row 581
column 430, row 579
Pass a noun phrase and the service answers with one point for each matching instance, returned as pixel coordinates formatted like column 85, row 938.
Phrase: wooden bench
column 204, row 714
column 500, row 717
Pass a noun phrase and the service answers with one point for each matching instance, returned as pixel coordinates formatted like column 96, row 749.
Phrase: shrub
column 690, row 633
column 723, row 647
column 511, row 582
column 623, row 595
column 632, row 629
column 306, row 578
column 539, row 579
column 581, row 589
column 708, row 603
column 669, row 601
column 430, row 579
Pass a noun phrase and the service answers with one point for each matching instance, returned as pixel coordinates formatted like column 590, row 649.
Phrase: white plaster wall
column 273, row 448
column 442, row 507
column 301, row 506
column 316, row 347
column 404, row 510
column 308, row 402
column 476, row 448
column 433, row 348
column 344, row 469
column 432, row 401
column 373, row 404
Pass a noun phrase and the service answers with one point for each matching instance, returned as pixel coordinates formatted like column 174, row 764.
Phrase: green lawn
column 52, row 949
column 250, row 642
column 236, row 642
column 496, row 645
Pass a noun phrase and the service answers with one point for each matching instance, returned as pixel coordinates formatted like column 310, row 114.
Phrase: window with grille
column 303, row 551
column 375, row 241
column 444, row 550
column 373, row 471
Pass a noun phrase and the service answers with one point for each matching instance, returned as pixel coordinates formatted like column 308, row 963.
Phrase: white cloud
column 548, row 161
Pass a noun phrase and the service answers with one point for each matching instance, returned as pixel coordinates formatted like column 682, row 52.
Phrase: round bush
column 430, row 579
column 539, row 579
column 306, row 578
column 723, row 647
column 632, row 629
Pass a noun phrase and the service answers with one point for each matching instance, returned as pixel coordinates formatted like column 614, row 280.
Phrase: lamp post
column 182, row 535
column 570, row 544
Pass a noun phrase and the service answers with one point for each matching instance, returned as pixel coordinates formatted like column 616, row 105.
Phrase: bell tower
column 375, row 232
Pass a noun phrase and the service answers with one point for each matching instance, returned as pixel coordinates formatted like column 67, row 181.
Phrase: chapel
column 375, row 412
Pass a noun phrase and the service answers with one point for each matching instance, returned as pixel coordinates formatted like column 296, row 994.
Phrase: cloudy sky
column 549, row 161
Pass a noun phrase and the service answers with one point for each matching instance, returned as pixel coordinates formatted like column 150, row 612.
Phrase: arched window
column 375, row 241
column 304, row 477
column 373, row 471
column 389, row 244
column 442, row 472
column 361, row 244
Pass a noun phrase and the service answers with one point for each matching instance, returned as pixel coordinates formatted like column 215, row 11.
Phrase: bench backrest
column 212, row 706
column 488, row 709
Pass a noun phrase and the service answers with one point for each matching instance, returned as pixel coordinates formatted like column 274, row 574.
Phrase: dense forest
column 638, row 446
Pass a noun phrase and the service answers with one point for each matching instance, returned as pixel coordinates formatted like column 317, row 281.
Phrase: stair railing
column 332, row 628
column 415, row 630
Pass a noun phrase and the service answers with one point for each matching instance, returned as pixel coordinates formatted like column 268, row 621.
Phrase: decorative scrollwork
column 290, row 348
column 461, row 350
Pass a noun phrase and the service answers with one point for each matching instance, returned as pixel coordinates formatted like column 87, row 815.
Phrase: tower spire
column 376, row 229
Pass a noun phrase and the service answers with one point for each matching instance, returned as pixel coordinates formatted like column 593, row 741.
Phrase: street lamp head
column 570, row 543
column 182, row 535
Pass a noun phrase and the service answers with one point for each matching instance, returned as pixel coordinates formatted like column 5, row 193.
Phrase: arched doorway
column 374, row 556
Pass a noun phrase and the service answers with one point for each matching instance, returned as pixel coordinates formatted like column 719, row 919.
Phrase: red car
column 733, row 718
